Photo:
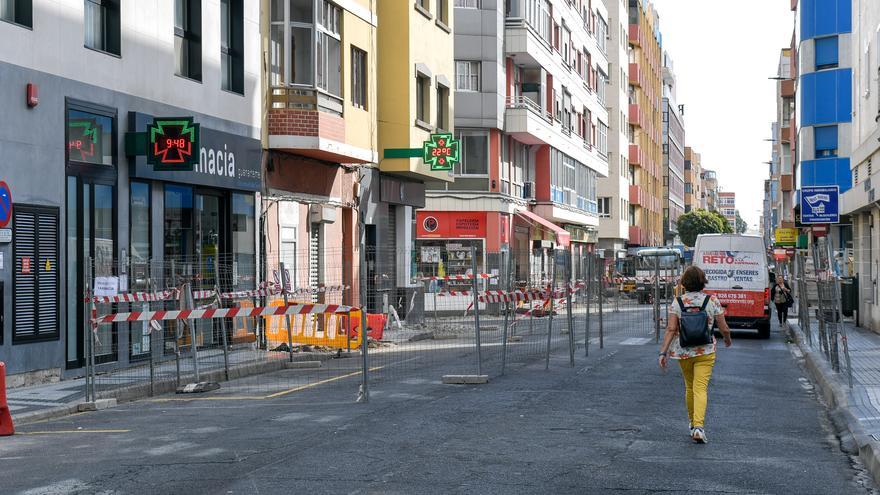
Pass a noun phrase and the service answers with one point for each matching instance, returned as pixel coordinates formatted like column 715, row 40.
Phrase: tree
column 726, row 228
column 700, row 221
column 741, row 225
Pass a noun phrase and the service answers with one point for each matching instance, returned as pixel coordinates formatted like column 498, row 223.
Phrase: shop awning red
column 563, row 238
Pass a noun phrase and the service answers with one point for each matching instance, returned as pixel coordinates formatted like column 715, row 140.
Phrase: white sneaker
column 690, row 429
column 699, row 436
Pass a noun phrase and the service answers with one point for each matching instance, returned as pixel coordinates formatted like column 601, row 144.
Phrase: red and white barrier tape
column 265, row 290
column 461, row 277
column 205, row 314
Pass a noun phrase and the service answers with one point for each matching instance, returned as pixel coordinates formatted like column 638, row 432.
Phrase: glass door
column 209, row 222
column 91, row 233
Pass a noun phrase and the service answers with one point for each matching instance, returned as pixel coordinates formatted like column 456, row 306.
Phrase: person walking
column 782, row 299
column 689, row 339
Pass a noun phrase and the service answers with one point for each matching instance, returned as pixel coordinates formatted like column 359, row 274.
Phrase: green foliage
column 700, row 221
column 741, row 225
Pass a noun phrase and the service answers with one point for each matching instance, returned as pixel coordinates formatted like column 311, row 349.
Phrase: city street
column 613, row 424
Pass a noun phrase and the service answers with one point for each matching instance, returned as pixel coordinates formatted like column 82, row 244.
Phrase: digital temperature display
column 442, row 152
column 173, row 143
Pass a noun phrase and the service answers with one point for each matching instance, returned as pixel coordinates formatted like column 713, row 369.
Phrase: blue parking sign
column 820, row 204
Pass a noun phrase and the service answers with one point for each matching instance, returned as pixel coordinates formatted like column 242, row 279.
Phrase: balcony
column 635, row 74
column 524, row 44
column 786, row 182
column 310, row 123
column 635, row 35
column 635, row 155
column 787, row 88
column 637, row 196
column 636, row 235
column 635, row 115
column 528, row 123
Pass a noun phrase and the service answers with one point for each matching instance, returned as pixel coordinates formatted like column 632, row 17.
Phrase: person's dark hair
column 694, row 279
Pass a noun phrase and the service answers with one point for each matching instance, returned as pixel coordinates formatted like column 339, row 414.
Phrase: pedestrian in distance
column 780, row 293
column 689, row 339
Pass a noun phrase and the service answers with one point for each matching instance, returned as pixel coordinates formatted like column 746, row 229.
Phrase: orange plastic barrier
column 375, row 325
column 6, row 426
column 323, row 329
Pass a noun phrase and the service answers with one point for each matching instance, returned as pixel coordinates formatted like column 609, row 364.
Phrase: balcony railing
column 304, row 99
column 530, row 104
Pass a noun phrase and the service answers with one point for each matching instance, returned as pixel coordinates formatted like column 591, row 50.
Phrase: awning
column 563, row 238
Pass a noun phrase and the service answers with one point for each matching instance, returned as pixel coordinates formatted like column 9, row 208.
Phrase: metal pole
column 588, row 261
column 601, row 271
column 506, row 311
column 550, row 322
column 284, row 282
column 476, row 310
column 87, row 328
column 656, row 299
column 839, row 307
column 568, row 277
column 188, row 297
column 364, row 395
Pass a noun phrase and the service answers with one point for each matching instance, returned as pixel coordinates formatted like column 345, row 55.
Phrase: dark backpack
column 693, row 326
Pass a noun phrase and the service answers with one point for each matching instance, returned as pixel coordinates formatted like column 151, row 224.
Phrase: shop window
column 90, row 137
column 474, row 154
column 244, row 247
column 232, row 45
column 17, row 12
column 139, row 213
column 178, row 228
column 101, row 25
column 35, row 293
column 140, row 274
column 188, row 38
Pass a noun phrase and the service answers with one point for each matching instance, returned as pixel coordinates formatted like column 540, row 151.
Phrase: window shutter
column 47, row 268
column 24, row 293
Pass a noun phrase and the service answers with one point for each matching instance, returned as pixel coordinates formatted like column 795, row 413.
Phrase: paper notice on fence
column 106, row 286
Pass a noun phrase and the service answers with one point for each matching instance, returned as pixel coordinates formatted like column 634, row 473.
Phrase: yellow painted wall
column 360, row 124
column 406, row 38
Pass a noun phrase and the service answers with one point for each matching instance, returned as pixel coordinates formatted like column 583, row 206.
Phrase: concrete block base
column 297, row 365
column 465, row 379
column 98, row 405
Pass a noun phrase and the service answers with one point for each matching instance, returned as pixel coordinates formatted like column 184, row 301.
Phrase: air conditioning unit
column 321, row 214
column 529, row 190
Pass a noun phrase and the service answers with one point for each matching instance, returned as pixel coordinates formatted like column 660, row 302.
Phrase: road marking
column 635, row 341
column 60, row 432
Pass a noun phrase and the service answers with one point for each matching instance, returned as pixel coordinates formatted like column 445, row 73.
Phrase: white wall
column 145, row 68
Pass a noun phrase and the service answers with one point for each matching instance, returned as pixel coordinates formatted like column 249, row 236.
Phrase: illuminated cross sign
column 173, row 143
column 442, row 152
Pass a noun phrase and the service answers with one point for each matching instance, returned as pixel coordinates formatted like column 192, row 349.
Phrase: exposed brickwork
column 295, row 122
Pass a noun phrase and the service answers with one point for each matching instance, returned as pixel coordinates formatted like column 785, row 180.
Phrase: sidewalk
column 858, row 409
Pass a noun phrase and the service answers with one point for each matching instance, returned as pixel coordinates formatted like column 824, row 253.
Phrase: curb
column 837, row 397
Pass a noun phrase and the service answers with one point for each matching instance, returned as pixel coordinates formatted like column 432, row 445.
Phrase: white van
column 736, row 267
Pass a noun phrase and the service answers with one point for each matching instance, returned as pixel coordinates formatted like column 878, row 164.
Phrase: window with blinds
column 36, row 281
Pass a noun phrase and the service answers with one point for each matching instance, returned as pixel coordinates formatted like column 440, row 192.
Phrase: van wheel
column 764, row 330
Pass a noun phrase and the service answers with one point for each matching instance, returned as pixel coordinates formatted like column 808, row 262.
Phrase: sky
column 723, row 54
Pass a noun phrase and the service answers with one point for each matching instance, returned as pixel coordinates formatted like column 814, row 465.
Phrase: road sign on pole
column 820, row 204
column 5, row 204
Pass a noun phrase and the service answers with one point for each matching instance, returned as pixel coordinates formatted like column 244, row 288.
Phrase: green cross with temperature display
column 442, row 152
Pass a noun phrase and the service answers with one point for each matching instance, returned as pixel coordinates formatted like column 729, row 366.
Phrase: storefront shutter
column 391, row 235
column 36, row 280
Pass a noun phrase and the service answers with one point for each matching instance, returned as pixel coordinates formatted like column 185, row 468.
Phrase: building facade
column 614, row 189
column 694, row 196
column 100, row 72
column 727, row 207
column 320, row 135
column 645, row 95
column 710, row 190
column 673, row 155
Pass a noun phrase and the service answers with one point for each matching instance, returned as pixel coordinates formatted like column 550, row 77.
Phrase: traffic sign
column 820, row 204
column 5, row 204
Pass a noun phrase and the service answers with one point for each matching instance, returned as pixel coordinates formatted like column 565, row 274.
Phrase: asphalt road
column 612, row 424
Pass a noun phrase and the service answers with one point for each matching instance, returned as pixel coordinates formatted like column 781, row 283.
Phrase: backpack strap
column 705, row 302
column 680, row 303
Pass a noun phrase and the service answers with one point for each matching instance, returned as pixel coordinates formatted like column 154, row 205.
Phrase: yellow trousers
column 696, row 372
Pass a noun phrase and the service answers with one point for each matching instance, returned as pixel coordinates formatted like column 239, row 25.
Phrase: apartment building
column 79, row 78
column 530, row 88
column 645, row 95
column 614, row 189
column 783, row 163
column 673, row 154
column 417, row 97
column 320, row 135
column 694, row 196
column 859, row 202
column 727, row 207
column 710, row 190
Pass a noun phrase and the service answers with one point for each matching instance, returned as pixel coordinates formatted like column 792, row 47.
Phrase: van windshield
column 734, row 269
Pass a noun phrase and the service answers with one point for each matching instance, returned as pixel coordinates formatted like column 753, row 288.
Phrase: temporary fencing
column 819, row 285
column 348, row 323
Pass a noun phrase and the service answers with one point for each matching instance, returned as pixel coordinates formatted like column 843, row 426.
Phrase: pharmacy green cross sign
column 442, row 152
